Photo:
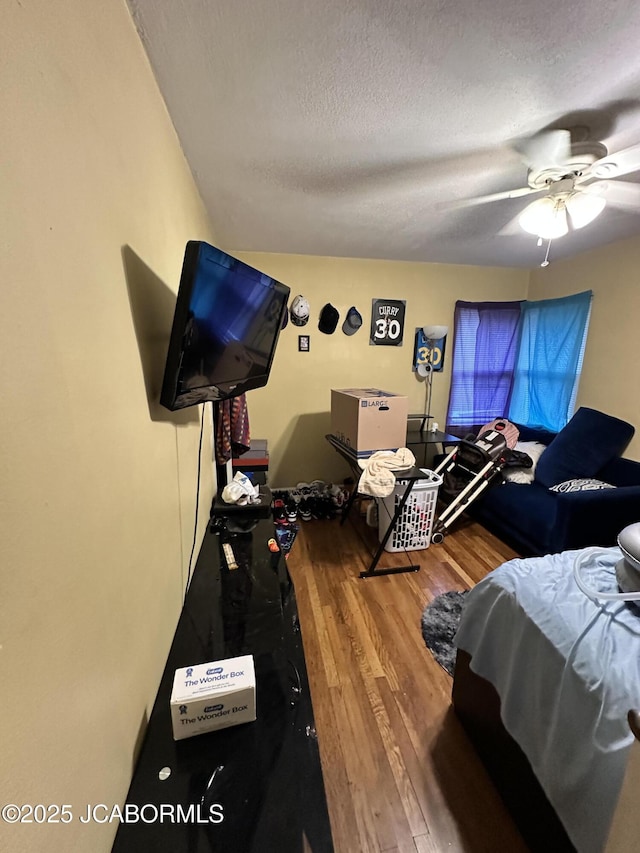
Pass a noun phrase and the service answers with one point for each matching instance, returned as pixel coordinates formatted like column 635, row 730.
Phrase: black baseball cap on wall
column 329, row 317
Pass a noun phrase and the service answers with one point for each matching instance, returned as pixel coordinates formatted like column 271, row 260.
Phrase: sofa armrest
column 621, row 472
column 594, row 517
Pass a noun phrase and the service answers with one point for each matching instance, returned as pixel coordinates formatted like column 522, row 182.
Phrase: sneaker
column 331, row 510
column 313, row 507
column 321, row 507
column 339, row 496
column 294, row 495
column 327, row 508
column 279, row 511
column 292, row 511
column 304, row 508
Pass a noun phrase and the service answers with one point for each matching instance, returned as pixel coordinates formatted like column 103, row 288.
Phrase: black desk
column 266, row 775
column 423, row 421
column 411, row 476
column 356, row 471
column 425, row 439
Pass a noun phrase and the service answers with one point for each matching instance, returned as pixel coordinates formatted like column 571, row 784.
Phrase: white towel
column 378, row 479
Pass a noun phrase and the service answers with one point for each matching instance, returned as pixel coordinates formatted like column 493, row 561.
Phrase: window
column 484, row 355
column 520, row 360
column 549, row 363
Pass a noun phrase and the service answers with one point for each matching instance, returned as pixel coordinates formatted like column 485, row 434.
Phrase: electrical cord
column 195, row 525
column 595, row 594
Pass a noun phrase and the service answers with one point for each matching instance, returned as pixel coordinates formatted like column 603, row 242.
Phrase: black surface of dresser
column 252, row 788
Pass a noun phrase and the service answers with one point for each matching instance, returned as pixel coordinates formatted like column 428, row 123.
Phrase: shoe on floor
column 292, row 511
column 304, row 509
column 279, row 511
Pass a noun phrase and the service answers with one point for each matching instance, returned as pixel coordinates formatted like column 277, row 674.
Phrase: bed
column 544, row 680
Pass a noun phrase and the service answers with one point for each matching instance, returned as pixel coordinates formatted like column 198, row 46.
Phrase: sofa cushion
column 583, row 447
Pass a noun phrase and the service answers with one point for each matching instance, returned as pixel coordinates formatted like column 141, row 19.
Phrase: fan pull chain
column 545, row 263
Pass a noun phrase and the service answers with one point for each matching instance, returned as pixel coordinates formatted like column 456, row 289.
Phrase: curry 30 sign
column 387, row 322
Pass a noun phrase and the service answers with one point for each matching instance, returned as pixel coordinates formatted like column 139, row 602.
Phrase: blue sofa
column 536, row 521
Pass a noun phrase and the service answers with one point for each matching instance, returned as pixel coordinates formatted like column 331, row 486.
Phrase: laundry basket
column 412, row 531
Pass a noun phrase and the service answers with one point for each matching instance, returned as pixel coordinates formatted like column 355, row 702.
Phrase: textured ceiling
column 340, row 128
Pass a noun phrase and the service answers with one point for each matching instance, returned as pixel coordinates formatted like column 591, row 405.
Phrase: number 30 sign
column 387, row 322
column 423, row 352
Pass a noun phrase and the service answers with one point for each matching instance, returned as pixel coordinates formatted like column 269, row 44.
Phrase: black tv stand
column 265, row 777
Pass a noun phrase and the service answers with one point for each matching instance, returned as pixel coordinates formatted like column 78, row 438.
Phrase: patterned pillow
column 588, row 484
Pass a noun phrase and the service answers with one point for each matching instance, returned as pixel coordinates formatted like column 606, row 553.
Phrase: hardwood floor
column 399, row 773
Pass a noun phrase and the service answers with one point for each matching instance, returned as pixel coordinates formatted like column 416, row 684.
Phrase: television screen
column 225, row 329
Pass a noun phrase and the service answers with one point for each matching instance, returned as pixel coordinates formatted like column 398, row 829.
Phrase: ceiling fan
column 576, row 178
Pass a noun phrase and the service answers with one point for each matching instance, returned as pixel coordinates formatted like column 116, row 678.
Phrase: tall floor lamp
column 432, row 334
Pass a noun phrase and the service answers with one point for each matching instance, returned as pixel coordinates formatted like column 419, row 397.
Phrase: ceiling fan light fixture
column 583, row 208
column 546, row 218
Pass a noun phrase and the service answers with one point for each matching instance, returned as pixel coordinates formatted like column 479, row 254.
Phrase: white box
column 368, row 419
column 213, row 696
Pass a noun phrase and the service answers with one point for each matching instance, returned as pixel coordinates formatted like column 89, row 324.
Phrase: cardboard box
column 213, row 696
column 368, row 419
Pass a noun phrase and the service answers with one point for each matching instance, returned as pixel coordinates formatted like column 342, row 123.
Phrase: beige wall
column 293, row 411
column 98, row 485
column 611, row 372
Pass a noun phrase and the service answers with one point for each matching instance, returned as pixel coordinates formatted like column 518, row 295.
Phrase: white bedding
column 567, row 671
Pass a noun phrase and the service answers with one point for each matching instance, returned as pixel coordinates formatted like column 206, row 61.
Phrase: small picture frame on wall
column 303, row 343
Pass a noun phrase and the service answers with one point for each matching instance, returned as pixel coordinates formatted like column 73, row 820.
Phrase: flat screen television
column 225, row 329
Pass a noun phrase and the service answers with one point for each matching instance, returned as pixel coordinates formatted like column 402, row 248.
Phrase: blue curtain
column 520, row 360
column 549, row 362
column 484, row 354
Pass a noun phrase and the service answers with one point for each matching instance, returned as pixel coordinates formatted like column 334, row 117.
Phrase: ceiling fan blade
column 617, row 164
column 545, row 149
column 485, row 199
column 617, row 193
